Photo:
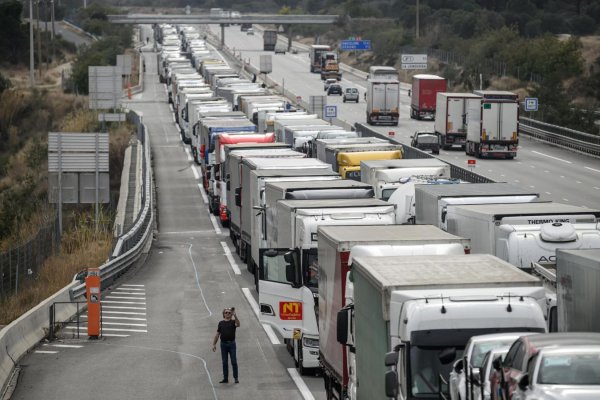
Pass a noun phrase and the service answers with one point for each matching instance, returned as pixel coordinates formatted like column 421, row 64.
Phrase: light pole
column 31, row 75
column 417, row 34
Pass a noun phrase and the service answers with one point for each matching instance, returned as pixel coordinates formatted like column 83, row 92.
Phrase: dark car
column 504, row 381
column 426, row 140
column 334, row 89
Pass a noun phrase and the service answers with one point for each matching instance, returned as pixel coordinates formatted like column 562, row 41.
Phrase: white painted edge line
column 45, row 352
column 271, row 334
column 122, row 302
column 122, row 308
column 114, row 335
column 554, row 158
column 129, row 288
column 65, row 346
column 189, row 154
column 130, row 284
column 123, row 324
column 203, row 193
column 125, row 297
column 215, row 224
column 171, row 106
column 234, row 266
column 84, row 328
column 253, row 303
column 173, row 117
column 592, row 169
column 300, row 384
column 195, row 171
column 123, row 312
column 119, row 292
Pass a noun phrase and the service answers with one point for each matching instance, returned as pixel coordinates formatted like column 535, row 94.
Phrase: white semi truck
column 412, row 317
column 383, row 96
column 387, row 175
column 451, row 118
column 288, row 286
column 527, row 232
column 432, row 201
column 337, row 247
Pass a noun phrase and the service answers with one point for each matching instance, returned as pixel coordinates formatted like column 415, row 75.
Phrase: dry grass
column 590, row 51
column 80, row 243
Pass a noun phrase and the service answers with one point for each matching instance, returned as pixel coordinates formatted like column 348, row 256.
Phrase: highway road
column 160, row 321
column 558, row 174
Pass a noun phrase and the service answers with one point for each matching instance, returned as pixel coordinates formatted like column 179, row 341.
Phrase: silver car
column 351, row 94
column 562, row 372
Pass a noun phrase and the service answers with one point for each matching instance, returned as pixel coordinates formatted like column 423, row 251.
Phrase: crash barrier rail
column 130, row 245
column 72, row 25
column 412, row 153
column 54, row 325
column 564, row 137
column 22, row 263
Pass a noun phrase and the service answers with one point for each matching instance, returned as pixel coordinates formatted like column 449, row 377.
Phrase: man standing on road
column 226, row 331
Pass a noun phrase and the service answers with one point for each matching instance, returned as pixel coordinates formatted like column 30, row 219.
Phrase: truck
column 493, row 124
column 388, row 175
column 346, row 159
column 213, row 174
column 423, row 96
column 315, row 53
column 193, row 118
column 288, row 286
column 298, row 136
column 320, row 145
column 383, row 96
column 269, row 40
column 330, row 68
column 311, row 146
column 451, row 118
column 239, row 205
column 524, row 233
column 309, row 120
column 412, row 317
column 210, row 127
column 577, row 280
column 338, row 246
column 266, row 119
column 432, row 201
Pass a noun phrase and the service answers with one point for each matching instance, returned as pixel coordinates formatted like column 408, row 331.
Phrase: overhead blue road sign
column 355, row 45
column 531, row 103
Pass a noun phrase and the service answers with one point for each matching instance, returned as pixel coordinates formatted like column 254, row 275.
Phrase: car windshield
column 426, row 369
column 570, row 369
column 427, row 138
column 479, row 349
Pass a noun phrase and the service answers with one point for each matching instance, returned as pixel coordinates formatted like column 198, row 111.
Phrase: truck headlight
column 309, row 342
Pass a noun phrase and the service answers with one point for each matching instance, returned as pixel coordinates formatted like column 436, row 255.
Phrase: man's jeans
column 229, row 348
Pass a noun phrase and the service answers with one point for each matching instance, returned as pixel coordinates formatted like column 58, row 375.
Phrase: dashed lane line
column 552, row 157
column 203, row 193
column 195, row 171
column 215, row 225
column 592, row 169
column 234, row 266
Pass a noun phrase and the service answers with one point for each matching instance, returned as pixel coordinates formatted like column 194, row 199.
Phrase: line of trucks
column 375, row 269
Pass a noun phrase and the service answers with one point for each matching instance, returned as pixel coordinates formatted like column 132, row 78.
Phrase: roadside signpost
column 316, row 105
column 471, row 163
column 413, row 61
column 531, row 103
column 352, row 45
column 330, row 112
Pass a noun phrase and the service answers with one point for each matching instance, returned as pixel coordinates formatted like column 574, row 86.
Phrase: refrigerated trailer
column 451, row 118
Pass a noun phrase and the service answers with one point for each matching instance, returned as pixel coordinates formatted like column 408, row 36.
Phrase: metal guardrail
column 412, row 153
column 130, row 245
column 564, row 137
column 196, row 19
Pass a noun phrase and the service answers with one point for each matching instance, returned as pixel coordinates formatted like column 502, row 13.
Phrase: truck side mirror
column 458, row 366
column 523, row 381
column 238, row 197
column 391, row 359
column 497, row 363
column 343, row 322
column 391, row 384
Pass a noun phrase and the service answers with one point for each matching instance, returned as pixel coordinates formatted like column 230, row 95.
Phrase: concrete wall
column 23, row 334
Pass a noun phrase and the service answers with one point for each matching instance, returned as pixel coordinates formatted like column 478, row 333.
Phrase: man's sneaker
column 224, row 381
column 236, row 381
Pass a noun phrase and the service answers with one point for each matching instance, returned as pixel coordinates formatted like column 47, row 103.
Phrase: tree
column 13, row 34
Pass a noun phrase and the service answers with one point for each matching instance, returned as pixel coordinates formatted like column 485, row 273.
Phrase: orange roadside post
column 92, row 291
column 129, row 91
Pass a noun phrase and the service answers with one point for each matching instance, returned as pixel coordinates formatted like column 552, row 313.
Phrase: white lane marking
column 125, row 297
column 271, row 334
column 548, row 193
column 131, row 288
column 531, row 186
column 516, row 180
column 596, row 187
column 547, row 171
column 84, row 328
column 577, row 181
column 171, row 107
column 183, row 232
column 122, row 308
column 114, row 335
column 173, row 117
column 123, row 312
column 189, row 154
column 203, row 193
column 532, row 166
column 554, row 158
column 230, row 258
column 117, row 291
column 45, row 352
column 250, row 298
column 124, row 318
column 130, row 284
column 565, row 199
column 562, row 176
column 65, row 346
column 592, row 169
column 195, row 171
column 123, row 324
column 300, row 384
column 215, row 224
column 122, row 302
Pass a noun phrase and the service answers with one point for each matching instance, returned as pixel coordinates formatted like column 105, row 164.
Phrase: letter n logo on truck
column 290, row 310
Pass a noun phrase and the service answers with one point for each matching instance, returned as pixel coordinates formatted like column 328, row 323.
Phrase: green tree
column 13, row 34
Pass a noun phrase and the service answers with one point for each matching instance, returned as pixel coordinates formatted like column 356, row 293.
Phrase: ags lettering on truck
column 290, row 310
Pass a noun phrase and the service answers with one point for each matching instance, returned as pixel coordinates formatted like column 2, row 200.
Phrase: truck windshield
column 426, row 368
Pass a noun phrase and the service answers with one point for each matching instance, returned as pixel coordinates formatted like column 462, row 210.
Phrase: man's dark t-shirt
column 227, row 330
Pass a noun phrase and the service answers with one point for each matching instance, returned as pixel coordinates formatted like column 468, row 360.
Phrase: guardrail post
column 51, row 322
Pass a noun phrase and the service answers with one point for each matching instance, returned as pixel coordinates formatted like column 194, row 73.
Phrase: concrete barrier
column 21, row 335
